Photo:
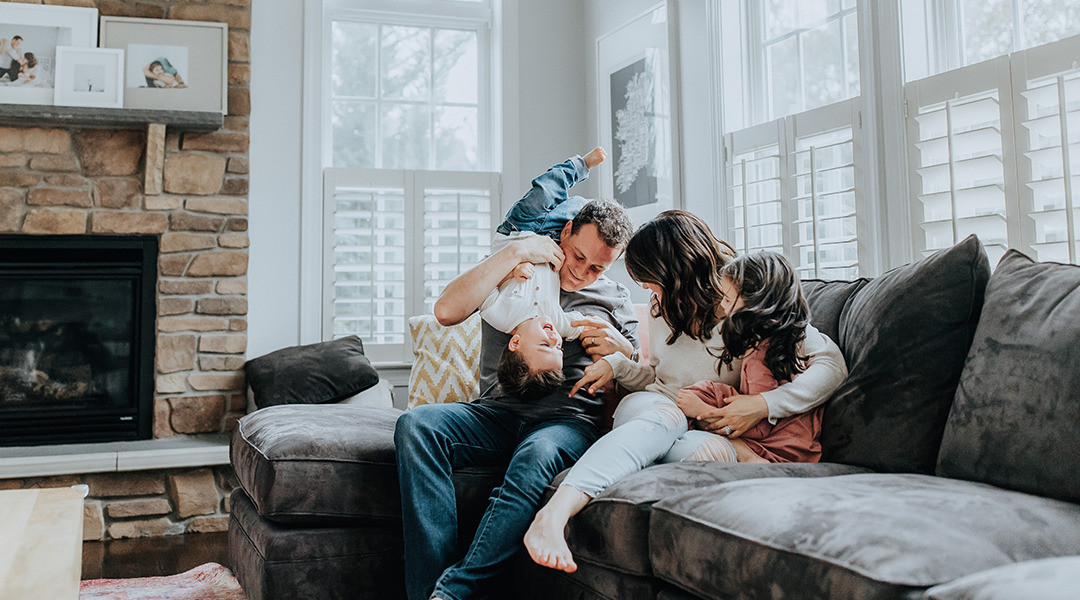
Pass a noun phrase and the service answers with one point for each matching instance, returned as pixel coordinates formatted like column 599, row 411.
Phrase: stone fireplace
column 77, row 318
column 58, row 180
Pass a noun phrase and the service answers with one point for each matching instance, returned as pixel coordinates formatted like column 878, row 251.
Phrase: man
column 11, row 57
column 537, row 439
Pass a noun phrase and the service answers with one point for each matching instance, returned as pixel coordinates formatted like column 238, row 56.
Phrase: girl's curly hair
column 774, row 313
column 678, row 252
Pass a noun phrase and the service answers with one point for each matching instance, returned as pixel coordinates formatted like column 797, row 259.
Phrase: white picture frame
column 89, row 77
column 195, row 52
column 636, row 117
column 42, row 28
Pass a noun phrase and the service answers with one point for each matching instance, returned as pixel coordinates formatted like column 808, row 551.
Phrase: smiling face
column 586, row 257
column 538, row 343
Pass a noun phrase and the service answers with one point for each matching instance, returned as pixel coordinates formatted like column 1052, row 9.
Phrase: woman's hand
column 690, row 404
column 596, row 375
column 600, row 338
column 740, row 414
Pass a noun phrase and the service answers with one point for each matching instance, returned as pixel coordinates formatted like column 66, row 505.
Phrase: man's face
column 586, row 257
column 15, row 43
column 539, row 344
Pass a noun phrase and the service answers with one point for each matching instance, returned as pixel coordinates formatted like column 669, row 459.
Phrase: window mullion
column 1066, row 161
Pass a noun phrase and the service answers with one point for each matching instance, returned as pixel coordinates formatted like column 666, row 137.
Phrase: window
column 940, row 36
column 995, row 151
column 790, row 178
column 373, row 217
column 405, row 157
column 807, row 53
column 407, row 95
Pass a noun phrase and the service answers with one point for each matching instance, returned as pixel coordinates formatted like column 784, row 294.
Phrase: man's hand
column 539, row 250
column 740, row 414
column 596, row 375
column 600, row 338
column 523, row 272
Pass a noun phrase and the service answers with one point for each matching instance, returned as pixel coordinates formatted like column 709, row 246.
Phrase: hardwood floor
column 151, row 557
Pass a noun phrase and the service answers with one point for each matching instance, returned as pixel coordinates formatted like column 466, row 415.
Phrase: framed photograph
column 636, row 116
column 89, row 77
column 171, row 65
column 29, row 36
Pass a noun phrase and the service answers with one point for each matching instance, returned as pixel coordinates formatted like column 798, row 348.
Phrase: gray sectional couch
column 951, row 470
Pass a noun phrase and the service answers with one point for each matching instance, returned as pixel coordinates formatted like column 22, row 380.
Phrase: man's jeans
column 547, row 206
column 431, row 441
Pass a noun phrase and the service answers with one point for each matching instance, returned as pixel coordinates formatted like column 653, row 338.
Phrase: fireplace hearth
column 76, row 338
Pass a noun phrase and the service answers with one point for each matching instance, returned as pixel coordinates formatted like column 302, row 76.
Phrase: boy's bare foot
column 595, row 157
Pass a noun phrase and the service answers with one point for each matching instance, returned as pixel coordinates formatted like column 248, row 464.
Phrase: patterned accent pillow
column 447, row 365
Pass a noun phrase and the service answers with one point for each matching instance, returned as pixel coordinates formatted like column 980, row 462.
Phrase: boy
column 526, row 303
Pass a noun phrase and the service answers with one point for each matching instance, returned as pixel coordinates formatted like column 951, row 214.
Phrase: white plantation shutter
column 1047, row 80
column 792, row 187
column 961, row 158
column 995, row 150
column 825, row 198
column 755, row 164
column 393, row 240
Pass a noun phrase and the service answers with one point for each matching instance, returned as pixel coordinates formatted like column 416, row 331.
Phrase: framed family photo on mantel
column 636, row 116
column 29, row 37
column 171, row 65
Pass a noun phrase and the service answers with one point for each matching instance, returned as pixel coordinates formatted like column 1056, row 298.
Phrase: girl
column 767, row 317
column 677, row 258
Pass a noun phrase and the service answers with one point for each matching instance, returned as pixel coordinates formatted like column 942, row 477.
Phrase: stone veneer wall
column 58, row 180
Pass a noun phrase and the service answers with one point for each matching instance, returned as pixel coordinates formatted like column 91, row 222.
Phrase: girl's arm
column 824, row 373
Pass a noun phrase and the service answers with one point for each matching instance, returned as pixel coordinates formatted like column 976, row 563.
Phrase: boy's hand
column 595, row 157
column 523, row 272
column 690, row 404
column 596, row 375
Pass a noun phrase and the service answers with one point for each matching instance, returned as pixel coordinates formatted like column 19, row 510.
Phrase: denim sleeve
column 549, row 190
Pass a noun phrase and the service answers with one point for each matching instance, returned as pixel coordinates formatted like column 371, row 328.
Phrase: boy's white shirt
column 514, row 302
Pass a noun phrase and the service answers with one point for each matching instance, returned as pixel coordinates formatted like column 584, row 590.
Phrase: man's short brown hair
column 517, row 380
column 611, row 220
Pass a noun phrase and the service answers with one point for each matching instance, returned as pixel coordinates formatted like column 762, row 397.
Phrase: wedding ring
column 727, row 430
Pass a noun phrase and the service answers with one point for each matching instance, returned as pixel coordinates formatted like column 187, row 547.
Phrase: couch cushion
column 852, row 536
column 312, row 374
column 827, row 300
column 312, row 463
column 1047, row 579
column 613, row 529
column 277, row 562
column 1015, row 422
column 447, row 361
column 905, row 336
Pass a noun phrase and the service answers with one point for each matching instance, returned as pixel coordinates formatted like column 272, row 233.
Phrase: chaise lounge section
column 949, row 469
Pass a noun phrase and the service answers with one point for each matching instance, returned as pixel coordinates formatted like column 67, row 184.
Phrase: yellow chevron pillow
column 447, row 365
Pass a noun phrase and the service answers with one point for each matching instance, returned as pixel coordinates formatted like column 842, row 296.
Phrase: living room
column 354, row 156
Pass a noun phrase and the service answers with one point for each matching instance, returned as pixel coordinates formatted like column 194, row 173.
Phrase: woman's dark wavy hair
column 774, row 312
column 678, row 252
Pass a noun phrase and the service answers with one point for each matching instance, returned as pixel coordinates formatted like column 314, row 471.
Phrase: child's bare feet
column 595, row 157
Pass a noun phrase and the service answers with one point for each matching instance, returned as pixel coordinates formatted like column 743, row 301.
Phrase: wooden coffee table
column 41, row 549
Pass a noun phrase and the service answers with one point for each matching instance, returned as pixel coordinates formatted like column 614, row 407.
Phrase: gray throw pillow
column 313, row 374
column 1015, row 422
column 827, row 300
column 905, row 336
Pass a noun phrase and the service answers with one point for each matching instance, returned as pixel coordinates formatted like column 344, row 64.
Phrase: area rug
column 207, row 582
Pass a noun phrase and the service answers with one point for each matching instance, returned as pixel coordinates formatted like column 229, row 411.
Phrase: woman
column 677, row 258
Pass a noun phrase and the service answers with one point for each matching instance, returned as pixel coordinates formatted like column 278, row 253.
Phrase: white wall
column 544, row 106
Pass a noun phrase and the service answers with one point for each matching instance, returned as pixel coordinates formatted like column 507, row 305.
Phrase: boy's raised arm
column 464, row 295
